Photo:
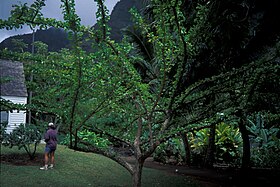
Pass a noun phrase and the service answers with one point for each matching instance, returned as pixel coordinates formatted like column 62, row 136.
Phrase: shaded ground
column 22, row 159
column 222, row 176
column 218, row 177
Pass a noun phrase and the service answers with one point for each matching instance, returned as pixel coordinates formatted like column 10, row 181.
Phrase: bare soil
column 216, row 177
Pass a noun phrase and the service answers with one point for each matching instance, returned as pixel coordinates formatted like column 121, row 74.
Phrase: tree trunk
column 246, row 145
column 137, row 174
column 187, row 148
column 209, row 158
column 76, row 139
column 71, row 136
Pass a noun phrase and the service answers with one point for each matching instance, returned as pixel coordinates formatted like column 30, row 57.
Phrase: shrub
column 3, row 134
column 228, row 144
column 91, row 138
column 171, row 151
column 27, row 137
column 265, row 157
column 265, row 142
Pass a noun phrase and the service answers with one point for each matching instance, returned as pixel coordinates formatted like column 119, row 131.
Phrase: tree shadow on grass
column 22, row 159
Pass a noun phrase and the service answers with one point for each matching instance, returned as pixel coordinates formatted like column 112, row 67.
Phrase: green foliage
column 198, row 145
column 196, row 67
column 92, row 138
column 262, row 134
column 198, row 36
column 265, row 142
column 27, row 137
column 3, row 134
column 40, row 48
column 20, row 46
column 170, row 152
column 22, row 14
column 265, row 157
column 198, row 141
column 228, row 144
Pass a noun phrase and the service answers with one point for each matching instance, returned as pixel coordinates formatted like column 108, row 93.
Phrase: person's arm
column 47, row 137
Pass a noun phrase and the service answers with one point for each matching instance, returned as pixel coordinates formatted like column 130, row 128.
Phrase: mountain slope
column 57, row 38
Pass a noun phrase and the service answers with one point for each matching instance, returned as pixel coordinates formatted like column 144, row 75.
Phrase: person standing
column 51, row 144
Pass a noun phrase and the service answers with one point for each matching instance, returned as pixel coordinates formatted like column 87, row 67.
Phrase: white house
column 13, row 88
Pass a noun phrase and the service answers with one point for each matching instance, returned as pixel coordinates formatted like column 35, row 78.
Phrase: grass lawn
column 76, row 169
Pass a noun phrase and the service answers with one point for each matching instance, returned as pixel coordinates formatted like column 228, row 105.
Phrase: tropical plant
column 228, row 144
column 265, row 142
column 261, row 133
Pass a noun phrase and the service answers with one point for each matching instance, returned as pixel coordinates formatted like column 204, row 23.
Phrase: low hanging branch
column 112, row 155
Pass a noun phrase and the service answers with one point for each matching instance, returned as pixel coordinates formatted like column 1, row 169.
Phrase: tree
column 20, row 46
column 225, row 36
column 87, row 89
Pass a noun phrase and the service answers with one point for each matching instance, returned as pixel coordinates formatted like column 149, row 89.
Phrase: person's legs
column 46, row 158
column 52, row 158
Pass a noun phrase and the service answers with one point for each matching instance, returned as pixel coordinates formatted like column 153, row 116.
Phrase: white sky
column 85, row 9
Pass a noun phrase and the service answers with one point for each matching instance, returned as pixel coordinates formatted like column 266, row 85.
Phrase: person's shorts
column 49, row 149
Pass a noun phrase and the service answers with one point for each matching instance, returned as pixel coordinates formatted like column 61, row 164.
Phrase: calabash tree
column 88, row 89
column 105, row 79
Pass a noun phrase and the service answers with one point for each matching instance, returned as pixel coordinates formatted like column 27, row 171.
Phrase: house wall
column 16, row 117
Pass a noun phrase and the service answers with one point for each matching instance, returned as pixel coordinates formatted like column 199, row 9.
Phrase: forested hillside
column 57, row 38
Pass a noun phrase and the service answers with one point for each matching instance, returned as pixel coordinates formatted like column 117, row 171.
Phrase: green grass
column 78, row 169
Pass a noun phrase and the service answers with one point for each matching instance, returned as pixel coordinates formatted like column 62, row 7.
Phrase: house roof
column 12, row 79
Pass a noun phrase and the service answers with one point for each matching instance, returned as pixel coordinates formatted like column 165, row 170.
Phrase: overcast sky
column 85, row 9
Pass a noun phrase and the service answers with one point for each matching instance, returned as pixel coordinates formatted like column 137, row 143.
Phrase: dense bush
column 25, row 136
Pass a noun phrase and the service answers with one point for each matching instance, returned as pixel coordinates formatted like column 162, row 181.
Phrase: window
column 4, row 117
